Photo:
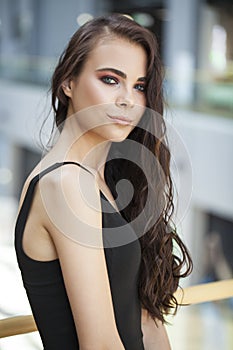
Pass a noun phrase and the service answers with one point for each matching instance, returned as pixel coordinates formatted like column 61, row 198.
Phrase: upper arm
column 75, row 225
column 154, row 336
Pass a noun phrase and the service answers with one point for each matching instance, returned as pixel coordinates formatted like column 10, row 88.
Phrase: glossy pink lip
column 120, row 120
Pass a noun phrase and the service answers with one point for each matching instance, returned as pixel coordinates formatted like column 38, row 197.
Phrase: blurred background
column 196, row 46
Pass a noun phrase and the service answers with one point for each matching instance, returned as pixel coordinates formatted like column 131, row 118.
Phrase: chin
column 120, row 136
column 117, row 135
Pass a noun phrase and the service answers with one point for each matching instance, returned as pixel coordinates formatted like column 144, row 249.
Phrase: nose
column 125, row 100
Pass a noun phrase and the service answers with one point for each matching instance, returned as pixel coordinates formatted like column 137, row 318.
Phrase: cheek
column 99, row 97
column 142, row 99
column 140, row 107
column 97, row 93
column 102, row 94
column 89, row 95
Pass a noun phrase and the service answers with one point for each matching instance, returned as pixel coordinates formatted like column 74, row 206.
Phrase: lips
column 120, row 120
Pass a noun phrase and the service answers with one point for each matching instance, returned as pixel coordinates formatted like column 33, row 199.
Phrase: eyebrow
column 118, row 72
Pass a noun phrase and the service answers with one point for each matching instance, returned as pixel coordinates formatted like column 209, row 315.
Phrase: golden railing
column 191, row 295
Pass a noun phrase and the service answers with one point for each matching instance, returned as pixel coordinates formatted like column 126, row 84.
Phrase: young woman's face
column 108, row 97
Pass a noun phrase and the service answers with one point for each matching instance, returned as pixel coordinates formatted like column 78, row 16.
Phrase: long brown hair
column 161, row 267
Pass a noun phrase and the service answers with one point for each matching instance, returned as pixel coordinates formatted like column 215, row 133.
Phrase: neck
column 86, row 148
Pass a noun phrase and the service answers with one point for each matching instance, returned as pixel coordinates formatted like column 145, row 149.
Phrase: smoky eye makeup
column 108, row 76
column 109, row 79
column 140, row 87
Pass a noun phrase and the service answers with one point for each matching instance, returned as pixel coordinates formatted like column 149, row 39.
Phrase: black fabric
column 46, row 291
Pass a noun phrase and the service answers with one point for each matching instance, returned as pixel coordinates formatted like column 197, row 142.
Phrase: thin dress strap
column 25, row 207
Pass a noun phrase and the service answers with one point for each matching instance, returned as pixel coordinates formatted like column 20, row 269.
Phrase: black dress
column 46, row 291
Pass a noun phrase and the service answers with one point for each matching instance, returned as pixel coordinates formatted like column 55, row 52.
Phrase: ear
column 66, row 87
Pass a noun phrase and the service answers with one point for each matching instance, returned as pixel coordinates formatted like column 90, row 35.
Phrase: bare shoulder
column 35, row 171
column 69, row 182
column 65, row 205
column 71, row 201
column 53, row 178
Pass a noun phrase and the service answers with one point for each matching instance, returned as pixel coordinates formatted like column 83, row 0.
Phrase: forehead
column 120, row 54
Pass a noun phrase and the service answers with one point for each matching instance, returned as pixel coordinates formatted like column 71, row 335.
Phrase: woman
column 96, row 276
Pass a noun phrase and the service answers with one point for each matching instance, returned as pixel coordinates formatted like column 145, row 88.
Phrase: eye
column 140, row 87
column 108, row 79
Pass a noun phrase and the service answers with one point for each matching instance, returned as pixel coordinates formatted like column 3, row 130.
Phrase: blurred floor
column 203, row 327
column 197, row 327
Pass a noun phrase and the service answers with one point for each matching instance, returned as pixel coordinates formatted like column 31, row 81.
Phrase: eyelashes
column 110, row 80
column 140, row 87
